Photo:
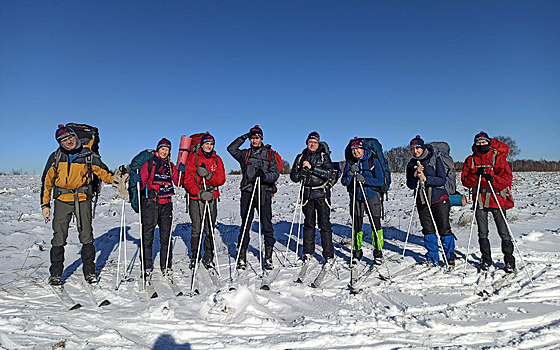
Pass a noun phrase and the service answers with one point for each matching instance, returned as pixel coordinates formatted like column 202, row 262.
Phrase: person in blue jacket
column 427, row 168
column 367, row 171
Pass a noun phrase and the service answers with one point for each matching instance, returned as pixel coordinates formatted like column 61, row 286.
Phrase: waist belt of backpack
column 502, row 193
column 84, row 189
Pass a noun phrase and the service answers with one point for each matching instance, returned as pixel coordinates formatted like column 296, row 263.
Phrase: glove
column 137, row 178
column 202, row 171
column 305, row 171
column 119, row 182
column 260, row 173
column 488, row 177
column 360, row 178
column 245, row 136
column 354, row 169
column 480, row 171
column 206, row 195
column 181, row 168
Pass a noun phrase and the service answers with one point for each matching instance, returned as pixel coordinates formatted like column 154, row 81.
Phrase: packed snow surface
column 415, row 308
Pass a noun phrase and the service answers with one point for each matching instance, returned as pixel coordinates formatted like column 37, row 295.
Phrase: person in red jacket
column 489, row 164
column 203, row 174
column 158, row 176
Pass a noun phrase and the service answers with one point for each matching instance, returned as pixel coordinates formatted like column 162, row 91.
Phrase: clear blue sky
column 142, row 70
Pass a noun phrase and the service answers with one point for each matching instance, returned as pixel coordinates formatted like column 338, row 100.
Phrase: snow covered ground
column 417, row 308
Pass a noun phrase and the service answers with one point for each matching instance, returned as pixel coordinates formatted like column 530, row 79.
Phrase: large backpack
column 497, row 147
column 376, row 149
column 337, row 171
column 442, row 151
column 135, row 166
column 89, row 137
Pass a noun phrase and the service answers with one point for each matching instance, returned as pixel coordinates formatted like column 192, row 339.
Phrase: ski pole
column 245, row 226
column 353, row 223
column 440, row 242
column 141, row 234
column 300, row 195
column 511, row 235
column 411, row 216
column 118, row 280
column 211, row 225
column 168, row 259
column 375, row 228
column 198, row 249
column 472, row 224
column 260, row 238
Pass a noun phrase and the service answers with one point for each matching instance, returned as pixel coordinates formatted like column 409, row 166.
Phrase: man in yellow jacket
column 68, row 175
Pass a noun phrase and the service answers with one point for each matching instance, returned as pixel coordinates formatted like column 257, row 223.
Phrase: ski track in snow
column 420, row 309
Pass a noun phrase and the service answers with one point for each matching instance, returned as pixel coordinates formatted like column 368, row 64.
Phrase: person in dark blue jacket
column 427, row 168
column 362, row 168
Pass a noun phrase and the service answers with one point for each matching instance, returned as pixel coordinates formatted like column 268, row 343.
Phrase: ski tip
column 265, row 287
column 196, row 292
column 354, row 291
column 298, row 281
column 313, row 285
column 180, row 294
column 105, row 303
column 231, row 289
column 76, row 306
column 153, row 296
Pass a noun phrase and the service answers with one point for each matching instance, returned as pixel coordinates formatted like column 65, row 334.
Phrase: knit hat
column 63, row 132
column 207, row 138
column 314, row 135
column 357, row 143
column 417, row 142
column 164, row 143
column 482, row 136
column 256, row 130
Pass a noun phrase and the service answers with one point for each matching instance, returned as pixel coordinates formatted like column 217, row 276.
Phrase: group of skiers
column 69, row 171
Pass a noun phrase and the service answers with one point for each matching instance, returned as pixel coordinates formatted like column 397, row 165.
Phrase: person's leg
column 429, row 231
column 325, row 228
column 61, row 220
column 507, row 243
column 165, row 220
column 483, row 241
column 309, row 227
column 149, row 220
column 210, row 221
column 86, row 238
column 441, row 216
column 196, row 209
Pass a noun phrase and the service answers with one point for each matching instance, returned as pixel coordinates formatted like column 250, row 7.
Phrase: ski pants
column 484, row 242
column 374, row 204
column 196, row 212
column 61, row 221
column 247, row 215
column 161, row 215
column 317, row 211
column 440, row 211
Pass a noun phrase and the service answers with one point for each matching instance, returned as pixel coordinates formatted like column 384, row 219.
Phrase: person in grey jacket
column 313, row 167
column 257, row 161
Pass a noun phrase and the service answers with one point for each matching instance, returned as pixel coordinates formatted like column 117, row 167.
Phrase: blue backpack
column 377, row 152
column 135, row 167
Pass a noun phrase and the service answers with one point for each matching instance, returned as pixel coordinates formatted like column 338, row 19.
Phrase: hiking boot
column 509, row 268
column 208, row 264
column 167, row 273
column 192, row 264
column 484, row 266
column 147, row 276
column 329, row 262
column 91, row 278
column 242, row 260
column 55, row 281
column 377, row 257
column 451, row 260
column 306, row 258
column 268, row 258
column 357, row 254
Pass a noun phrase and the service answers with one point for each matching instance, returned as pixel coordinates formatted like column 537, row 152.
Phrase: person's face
column 312, row 145
column 163, row 152
column 69, row 142
column 358, row 153
column 256, row 141
column 207, row 147
column 417, row 151
column 481, row 142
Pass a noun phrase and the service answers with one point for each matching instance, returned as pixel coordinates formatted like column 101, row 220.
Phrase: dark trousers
column 161, row 215
column 247, row 216
column 196, row 211
column 317, row 211
column 61, row 221
column 484, row 242
column 440, row 210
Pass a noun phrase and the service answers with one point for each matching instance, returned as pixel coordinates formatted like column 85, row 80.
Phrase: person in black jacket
column 313, row 167
column 256, row 161
column 427, row 168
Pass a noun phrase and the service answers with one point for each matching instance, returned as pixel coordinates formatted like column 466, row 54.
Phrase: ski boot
column 55, row 281
column 242, row 261
column 268, row 258
column 509, row 268
column 91, row 278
